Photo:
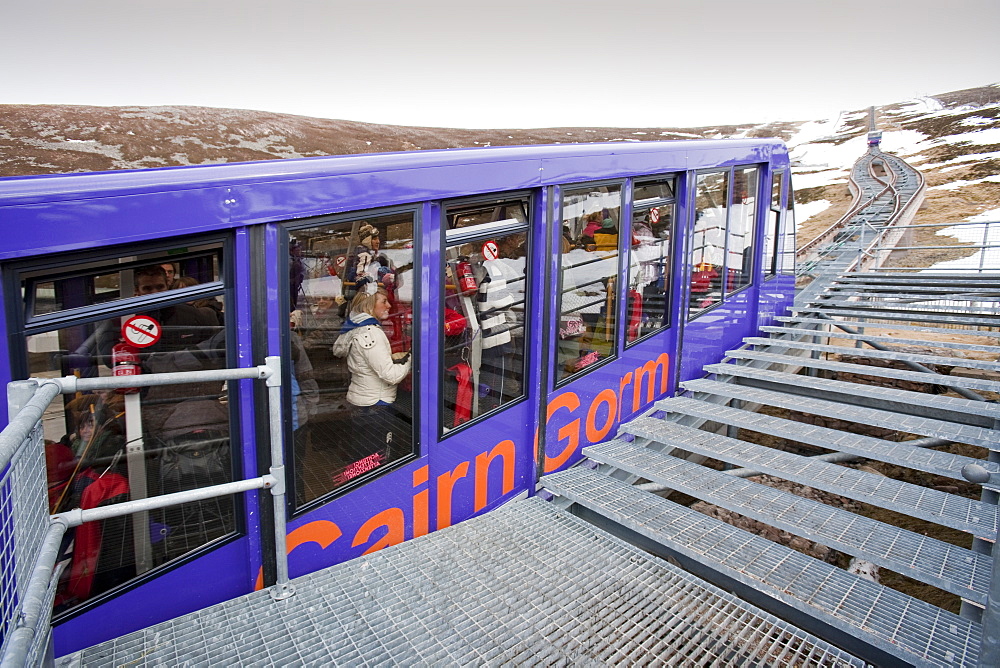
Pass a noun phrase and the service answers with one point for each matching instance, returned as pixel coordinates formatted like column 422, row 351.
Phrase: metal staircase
column 631, row 493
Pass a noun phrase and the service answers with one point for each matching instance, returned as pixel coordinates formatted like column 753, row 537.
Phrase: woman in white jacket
column 375, row 373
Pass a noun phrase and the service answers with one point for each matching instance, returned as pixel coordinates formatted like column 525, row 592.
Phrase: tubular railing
column 989, row 252
column 31, row 537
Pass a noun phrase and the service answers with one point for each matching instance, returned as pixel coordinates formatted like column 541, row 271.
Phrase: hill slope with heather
column 954, row 138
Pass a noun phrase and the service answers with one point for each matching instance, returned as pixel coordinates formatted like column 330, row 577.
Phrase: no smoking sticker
column 654, row 215
column 141, row 331
column 490, row 250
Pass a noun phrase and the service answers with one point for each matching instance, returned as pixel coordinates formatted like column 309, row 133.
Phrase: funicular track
column 829, row 432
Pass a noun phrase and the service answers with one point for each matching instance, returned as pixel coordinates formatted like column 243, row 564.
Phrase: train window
column 485, row 271
column 588, row 304
column 104, row 447
column 649, row 258
column 771, row 229
column 708, row 240
column 740, row 231
column 787, row 263
column 351, row 296
column 91, row 283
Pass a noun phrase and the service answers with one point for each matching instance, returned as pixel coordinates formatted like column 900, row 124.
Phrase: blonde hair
column 364, row 302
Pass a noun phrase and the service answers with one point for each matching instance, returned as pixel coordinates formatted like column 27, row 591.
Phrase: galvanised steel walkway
column 865, row 387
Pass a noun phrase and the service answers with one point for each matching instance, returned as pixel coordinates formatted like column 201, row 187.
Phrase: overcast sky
column 511, row 64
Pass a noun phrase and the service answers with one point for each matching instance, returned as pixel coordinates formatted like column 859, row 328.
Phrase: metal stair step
column 858, row 311
column 910, row 424
column 868, row 370
column 893, row 622
column 826, row 300
column 915, row 291
column 874, row 354
column 908, row 278
column 875, row 325
column 888, row 398
column 890, row 340
column 524, row 584
column 975, row 517
column 899, row 453
column 954, row 569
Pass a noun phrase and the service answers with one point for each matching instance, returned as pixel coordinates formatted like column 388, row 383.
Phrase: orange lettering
column 649, row 368
column 622, row 384
column 392, row 519
column 446, row 486
column 608, row 397
column 421, row 504
column 504, row 449
column 321, row 532
column 571, row 431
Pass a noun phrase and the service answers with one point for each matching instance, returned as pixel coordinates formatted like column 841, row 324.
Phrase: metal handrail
column 29, row 399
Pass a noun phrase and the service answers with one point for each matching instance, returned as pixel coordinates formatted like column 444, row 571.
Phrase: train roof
column 26, row 189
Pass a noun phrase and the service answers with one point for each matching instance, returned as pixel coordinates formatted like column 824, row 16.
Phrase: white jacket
column 374, row 375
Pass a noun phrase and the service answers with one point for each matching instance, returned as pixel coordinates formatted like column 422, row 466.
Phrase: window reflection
column 708, row 240
column 771, row 229
column 649, row 258
column 484, row 298
column 591, row 219
column 788, row 232
column 107, row 447
column 742, row 218
column 350, row 333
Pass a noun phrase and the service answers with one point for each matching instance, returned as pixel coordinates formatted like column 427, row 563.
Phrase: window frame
column 750, row 273
column 472, row 234
column 288, row 229
column 730, row 173
column 557, row 313
column 676, row 179
column 82, row 263
column 770, row 269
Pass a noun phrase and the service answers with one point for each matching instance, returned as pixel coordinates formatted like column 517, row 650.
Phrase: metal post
column 982, row 253
column 281, row 589
column 135, row 456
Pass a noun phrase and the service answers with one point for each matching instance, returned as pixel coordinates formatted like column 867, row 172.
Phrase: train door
column 409, row 352
column 719, row 265
column 484, row 371
column 777, row 284
column 612, row 341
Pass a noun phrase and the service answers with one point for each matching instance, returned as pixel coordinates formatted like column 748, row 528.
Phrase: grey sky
column 512, row 64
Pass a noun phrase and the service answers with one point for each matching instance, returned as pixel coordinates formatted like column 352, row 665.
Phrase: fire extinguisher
column 466, row 281
column 125, row 362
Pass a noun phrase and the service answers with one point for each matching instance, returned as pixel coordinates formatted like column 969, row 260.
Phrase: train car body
column 532, row 299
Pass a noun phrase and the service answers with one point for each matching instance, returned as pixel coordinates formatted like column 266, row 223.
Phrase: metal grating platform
column 898, row 625
column 954, row 569
column 525, row 584
column 957, row 512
